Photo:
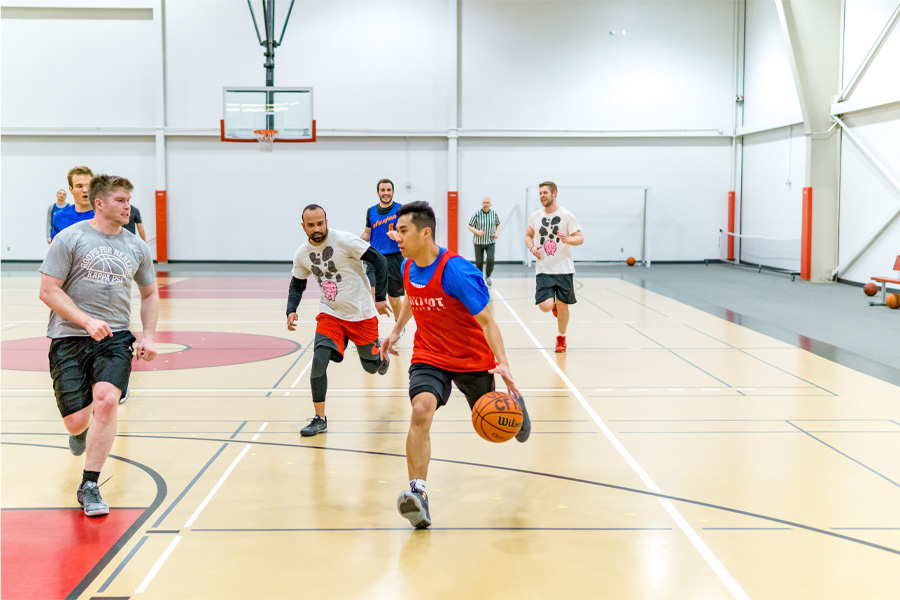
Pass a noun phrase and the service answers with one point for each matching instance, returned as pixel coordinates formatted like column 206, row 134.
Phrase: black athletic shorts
column 77, row 363
column 561, row 287
column 395, row 274
column 426, row 378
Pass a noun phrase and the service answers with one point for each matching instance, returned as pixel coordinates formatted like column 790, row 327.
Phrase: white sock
column 417, row 484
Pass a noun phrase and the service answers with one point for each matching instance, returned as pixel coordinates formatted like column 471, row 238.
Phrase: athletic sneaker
column 383, row 367
column 89, row 497
column 413, row 505
column 560, row 343
column 316, row 425
column 125, row 394
column 525, row 430
column 488, row 281
column 77, row 443
column 554, row 311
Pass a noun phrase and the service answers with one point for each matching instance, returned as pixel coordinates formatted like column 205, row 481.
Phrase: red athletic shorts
column 360, row 333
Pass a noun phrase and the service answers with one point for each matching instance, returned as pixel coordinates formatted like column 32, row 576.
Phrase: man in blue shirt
column 79, row 179
column 381, row 225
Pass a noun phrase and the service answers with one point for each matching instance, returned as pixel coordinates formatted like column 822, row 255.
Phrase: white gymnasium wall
column 688, row 181
column 554, row 65
column 77, row 67
column 34, row 167
column 770, row 97
column 382, row 69
column 247, row 205
column 773, row 192
column 373, row 65
column 866, row 197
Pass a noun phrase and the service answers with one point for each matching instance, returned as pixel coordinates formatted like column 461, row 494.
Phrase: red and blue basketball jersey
column 447, row 335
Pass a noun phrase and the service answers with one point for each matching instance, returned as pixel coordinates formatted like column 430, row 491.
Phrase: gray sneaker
column 316, row 425
column 77, row 443
column 488, row 281
column 89, row 497
column 125, row 395
column 525, row 430
column 413, row 505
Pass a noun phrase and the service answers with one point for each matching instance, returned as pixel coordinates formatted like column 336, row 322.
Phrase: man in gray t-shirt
column 86, row 281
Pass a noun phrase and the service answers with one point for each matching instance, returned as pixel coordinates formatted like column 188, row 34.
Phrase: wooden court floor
column 674, row 455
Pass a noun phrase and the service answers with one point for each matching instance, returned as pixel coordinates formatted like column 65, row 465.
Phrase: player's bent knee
column 321, row 358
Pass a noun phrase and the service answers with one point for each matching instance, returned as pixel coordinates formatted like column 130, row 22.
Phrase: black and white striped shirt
column 486, row 222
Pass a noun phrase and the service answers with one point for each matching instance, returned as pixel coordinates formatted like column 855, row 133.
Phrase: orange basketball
column 497, row 417
column 630, row 262
column 893, row 300
column 870, row 289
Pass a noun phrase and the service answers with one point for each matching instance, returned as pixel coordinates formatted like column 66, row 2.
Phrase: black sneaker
column 487, row 280
column 77, row 443
column 525, row 430
column 89, row 497
column 316, row 425
column 413, row 505
column 383, row 367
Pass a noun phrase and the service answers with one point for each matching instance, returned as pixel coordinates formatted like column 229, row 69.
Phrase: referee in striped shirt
column 485, row 225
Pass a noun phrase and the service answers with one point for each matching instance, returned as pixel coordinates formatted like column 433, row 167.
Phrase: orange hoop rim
column 265, row 131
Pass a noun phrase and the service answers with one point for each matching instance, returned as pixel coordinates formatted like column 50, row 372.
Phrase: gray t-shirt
column 97, row 270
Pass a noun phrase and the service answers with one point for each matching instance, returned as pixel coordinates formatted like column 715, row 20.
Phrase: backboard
column 288, row 110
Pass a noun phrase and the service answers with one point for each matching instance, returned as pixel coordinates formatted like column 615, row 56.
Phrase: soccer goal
column 612, row 218
column 781, row 255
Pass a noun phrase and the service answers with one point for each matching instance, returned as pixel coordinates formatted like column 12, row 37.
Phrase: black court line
column 579, row 285
column 795, row 376
column 610, row 486
column 161, row 491
column 196, row 477
column 170, row 531
column 638, row 302
column 845, row 455
column 122, row 564
column 339, row 529
column 293, row 364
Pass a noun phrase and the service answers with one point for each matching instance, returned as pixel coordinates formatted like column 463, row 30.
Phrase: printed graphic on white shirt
column 340, row 274
column 556, row 255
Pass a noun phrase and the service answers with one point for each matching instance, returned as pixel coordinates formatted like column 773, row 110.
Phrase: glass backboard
column 287, row 110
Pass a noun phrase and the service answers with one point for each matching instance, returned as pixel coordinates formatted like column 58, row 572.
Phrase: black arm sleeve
column 379, row 263
column 295, row 292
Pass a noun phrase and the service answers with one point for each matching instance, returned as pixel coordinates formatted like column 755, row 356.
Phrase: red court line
column 47, row 552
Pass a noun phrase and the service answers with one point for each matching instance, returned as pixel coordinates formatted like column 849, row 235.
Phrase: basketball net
column 266, row 138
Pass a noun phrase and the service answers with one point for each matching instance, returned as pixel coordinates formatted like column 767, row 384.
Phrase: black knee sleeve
column 370, row 357
column 318, row 378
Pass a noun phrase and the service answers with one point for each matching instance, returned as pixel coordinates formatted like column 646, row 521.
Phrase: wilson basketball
column 630, row 262
column 870, row 289
column 497, row 417
column 893, row 300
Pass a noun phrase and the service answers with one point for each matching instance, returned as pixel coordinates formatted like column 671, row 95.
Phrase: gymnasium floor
column 677, row 452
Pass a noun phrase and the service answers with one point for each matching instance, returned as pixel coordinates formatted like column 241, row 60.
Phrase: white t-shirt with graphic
column 556, row 256
column 342, row 276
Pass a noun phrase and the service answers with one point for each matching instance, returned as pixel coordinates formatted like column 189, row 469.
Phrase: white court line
column 258, row 431
column 299, row 376
column 726, row 578
column 159, row 563
column 222, row 479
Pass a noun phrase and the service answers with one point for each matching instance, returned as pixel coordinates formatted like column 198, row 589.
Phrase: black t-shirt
column 134, row 220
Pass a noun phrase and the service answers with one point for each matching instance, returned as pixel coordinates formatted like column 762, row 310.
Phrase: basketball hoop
column 266, row 138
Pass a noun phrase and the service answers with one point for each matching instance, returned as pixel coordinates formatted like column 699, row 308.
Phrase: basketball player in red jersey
column 457, row 340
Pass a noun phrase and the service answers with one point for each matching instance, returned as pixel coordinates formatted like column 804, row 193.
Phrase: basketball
column 630, row 262
column 870, row 289
column 497, row 417
column 893, row 300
